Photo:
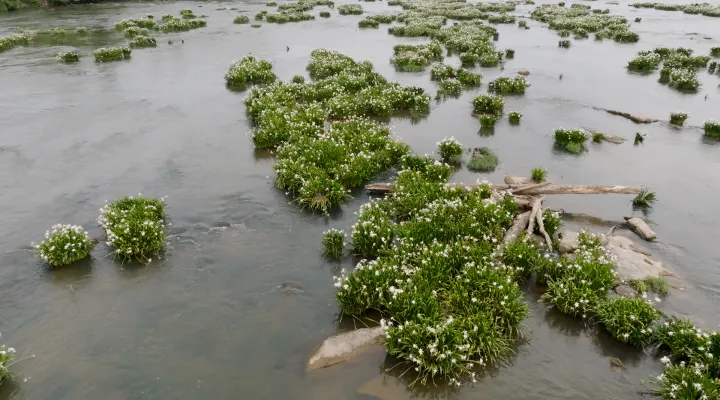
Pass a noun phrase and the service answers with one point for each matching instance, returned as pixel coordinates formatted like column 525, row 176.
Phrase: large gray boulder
column 632, row 264
column 343, row 346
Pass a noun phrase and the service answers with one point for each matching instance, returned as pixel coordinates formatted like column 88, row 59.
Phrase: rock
column 638, row 119
column 631, row 264
column 517, row 180
column 568, row 242
column 343, row 346
column 616, row 362
column 290, row 287
column 384, row 389
column 641, row 228
column 626, row 291
column 524, row 72
column 538, row 241
column 613, row 139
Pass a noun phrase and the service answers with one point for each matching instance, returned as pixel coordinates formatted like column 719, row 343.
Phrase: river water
column 209, row 320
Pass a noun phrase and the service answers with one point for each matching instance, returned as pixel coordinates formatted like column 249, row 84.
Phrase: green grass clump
column 598, row 137
column 645, row 62
column 488, row 120
column 132, row 31
column 522, row 24
column 711, row 68
column 655, row 284
column 715, row 51
column 467, row 78
column 678, row 118
column 450, row 88
column 509, row 53
column 285, row 17
column 644, row 199
column 514, row 117
column 483, row 160
column 333, row 244
column 249, row 71
column 712, row 129
column 298, row 79
column 106, row 54
column 373, row 234
column 564, row 44
column 12, row 41
column 501, row 19
column 505, row 85
column 271, row 4
column 177, row 25
column 491, row 59
column 412, row 58
column 684, row 79
column 440, row 72
column 146, row 23
column 628, row 320
column 325, row 14
column 350, row 9
column 581, row 21
column 538, row 174
column 134, row 226
column 261, row 15
column 143, row 42
column 241, row 19
column 383, row 19
column 64, row 245
column 570, row 140
column 256, row 25
column 681, row 381
column 488, row 104
column 638, row 19
column 187, row 13
column 68, row 56
column 368, row 23
column 81, row 31
column 450, row 150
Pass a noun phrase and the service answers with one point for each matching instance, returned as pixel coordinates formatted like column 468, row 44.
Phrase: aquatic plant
column 68, row 56
column 450, row 88
column 686, row 381
column 333, row 243
column 298, row 79
column 678, row 118
column 271, row 4
column 505, row 85
column 241, row 19
column 715, row 51
column 488, row 104
column 570, row 140
column 483, row 160
column 249, row 71
column 629, row 320
column 598, row 137
column 450, row 150
column 383, row 19
column 468, row 78
column 645, row 62
column 538, row 174
column 132, row 31
column 143, row 42
column 488, row 120
column 522, row 24
column 644, row 199
column 285, row 17
column 552, row 222
column 81, row 30
column 12, row 41
column 187, row 13
column 514, row 117
column 509, row 53
column 350, row 9
column 712, row 129
column 490, row 59
column 411, row 58
column 134, row 226
column 638, row 19
column 440, row 71
column 325, row 14
column 639, row 138
column 711, row 68
column 256, row 25
column 368, row 23
column 147, row 23
column 684, row 79
column 64, row 244
column 177, row 25
column 106, row 54
column 655, row 284
column 501, row 19
column 261, row 15
column 564, row 44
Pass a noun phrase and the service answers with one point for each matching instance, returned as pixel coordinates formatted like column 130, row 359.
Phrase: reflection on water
column 208, row 319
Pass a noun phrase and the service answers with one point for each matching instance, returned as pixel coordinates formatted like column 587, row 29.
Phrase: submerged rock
column 638, row 119
column 346, row 345
column 613, row 139
column 383, row 389
column 616, row 362
column 290, row 287
column 626, row 291
column 524, row 72
column 568, row 242
column 641, row 228
column 632, row 264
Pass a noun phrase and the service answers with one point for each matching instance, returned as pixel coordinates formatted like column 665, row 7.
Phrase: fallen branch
column 384, row 188
column 533, row 215
column 517, row 227
column 530, row 187
column 541, row 225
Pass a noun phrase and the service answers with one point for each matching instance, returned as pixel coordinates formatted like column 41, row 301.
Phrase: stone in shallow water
column 631, row 264
column 568, row 242
column 344, row 346
column 290, row 287
column 641, row 228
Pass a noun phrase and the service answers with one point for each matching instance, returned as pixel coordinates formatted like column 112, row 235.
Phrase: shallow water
column 209, row 319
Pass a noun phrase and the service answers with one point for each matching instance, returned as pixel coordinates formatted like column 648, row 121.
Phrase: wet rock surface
column 344, row 346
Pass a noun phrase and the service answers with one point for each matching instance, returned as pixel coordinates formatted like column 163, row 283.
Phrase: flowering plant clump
column 715, row 51
column 522, row 24
column 514, row 117
column 564, row 44
column 333, row 243
column 571, row 140
column 68, row 56
column 132, row 31
column 178, row 25
column 368, row 23
column 488, row 120
column 143, row 42
column 249, row 71
column 147, row 23
column 712, row 129
column 134, row 226
column 64, row 244
column 350, row 9
column 492, row 59
column 483, row 160
column 410, row 58
column 105, row 54
column 581, row 20
column 505, row 85
column 678, row 118
column 645, row 62
column 686, row 381
column 684, row 79
column 501, row 19
column 628, row 320
column 9, row 42
column 488, row 104
column 449, row 88
column 325, row 14
column 450, row 149
column 552, row 222
column 187, row 13
column 286, row 16
column 372, row 235
column 241, row 19
column 441, row 72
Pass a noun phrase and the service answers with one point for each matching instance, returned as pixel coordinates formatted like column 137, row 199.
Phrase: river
column 209, row 320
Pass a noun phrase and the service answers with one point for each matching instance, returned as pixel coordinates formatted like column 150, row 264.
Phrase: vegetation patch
column 12, row 41
column 483, row 160
column 505, row 85
column 241, row 19
column 715, row 51
column 581, row 20
column 249, row 71
column 678, row 118
column 571, row 140
column 333, row 244
column 285, row 17
column 538, row 175
column 325, row 14
column 350, row 9
column 695, row 8
column 63, row 245
column 712, row 129
column 564, row 44
column 146, row 23
column 644, row 199
column 629, row 320
column 178, row 25
column 514, row 117
column 134, row 226
column 68, row 56
column 413, row 58
column 488, row 104
column 140, row 42
column 107, row 54
column 450, row 150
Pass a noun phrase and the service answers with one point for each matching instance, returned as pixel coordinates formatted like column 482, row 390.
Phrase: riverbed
column 209, row 319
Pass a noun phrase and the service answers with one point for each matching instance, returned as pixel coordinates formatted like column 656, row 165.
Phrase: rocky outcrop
column 641, row 228
column 632, row 264
column 343, row 346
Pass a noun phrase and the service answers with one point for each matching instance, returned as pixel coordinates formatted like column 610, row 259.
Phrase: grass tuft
column 450, row 150
column 483, row 160
column 333, row 244
column 644, row 199
column 63, row 245
column 538, row 175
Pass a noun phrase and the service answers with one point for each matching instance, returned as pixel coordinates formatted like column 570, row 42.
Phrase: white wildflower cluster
column 249, row 71
column 450, row 149
column 7, row 355
column 64, row 244
column 134, row 226
column 374, row 231
column 684, row 79
column 334, row 243
column 693, row 380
